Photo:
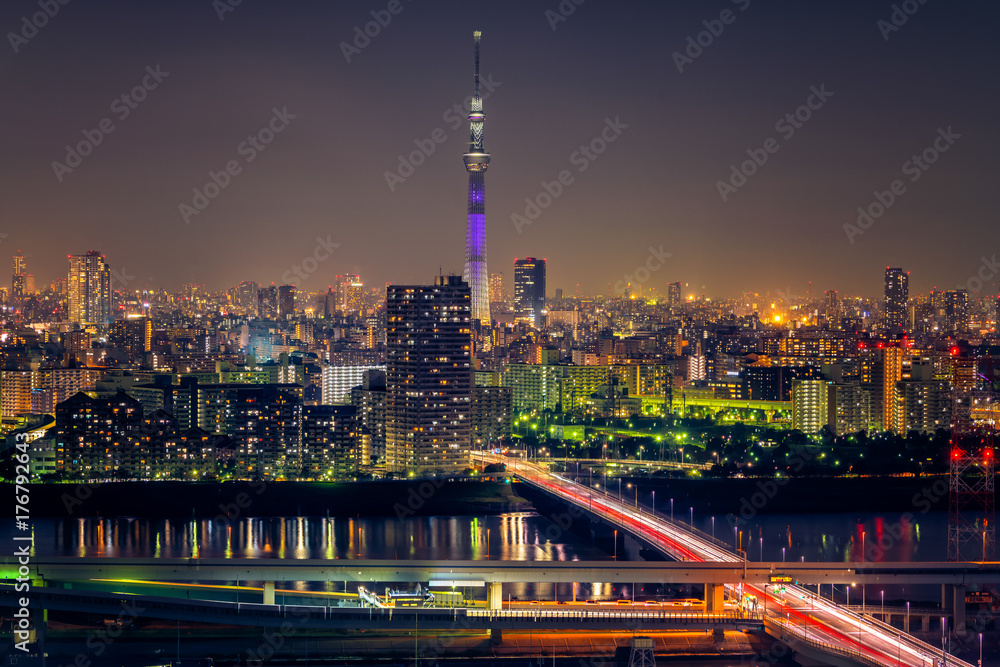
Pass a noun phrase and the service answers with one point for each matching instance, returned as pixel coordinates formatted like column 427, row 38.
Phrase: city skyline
column 655, row 183
column 121, row 281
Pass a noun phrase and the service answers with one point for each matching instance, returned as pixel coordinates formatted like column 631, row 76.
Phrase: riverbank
column 812, row 495
column 234, row 500
column 742, row 497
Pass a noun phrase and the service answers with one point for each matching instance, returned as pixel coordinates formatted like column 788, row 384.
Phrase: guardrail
column 913, row 641
column 585, row 615
column 905, row 637
column 787, row 635
column 897, row 611
column 111, row 602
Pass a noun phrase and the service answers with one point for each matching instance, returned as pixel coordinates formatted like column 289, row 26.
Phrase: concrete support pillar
column 925, row 623
column 494, row 595
column 906, row 624
column 40, row 583
column 268, row 592
column 715, row 595
column 496, row 636
column 958, row 607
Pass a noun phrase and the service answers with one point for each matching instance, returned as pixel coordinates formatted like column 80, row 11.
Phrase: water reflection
column 516, row 536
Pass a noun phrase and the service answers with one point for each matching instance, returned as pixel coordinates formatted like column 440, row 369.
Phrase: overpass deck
column 349, row 618
column 481, row 572
column 838, row 636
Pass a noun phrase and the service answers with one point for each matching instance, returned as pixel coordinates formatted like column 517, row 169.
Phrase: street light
column 944, row 656
column 783, row 554
column 713, row 527
column 671, row 509
column 883, row 606
column 692, row 517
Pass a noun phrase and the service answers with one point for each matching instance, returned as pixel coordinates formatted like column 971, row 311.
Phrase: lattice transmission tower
column 972, row 470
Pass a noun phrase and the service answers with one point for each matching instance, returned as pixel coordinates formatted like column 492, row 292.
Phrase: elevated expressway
column 814, row 627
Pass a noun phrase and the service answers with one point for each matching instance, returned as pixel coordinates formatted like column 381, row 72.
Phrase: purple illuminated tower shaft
column 477, row 160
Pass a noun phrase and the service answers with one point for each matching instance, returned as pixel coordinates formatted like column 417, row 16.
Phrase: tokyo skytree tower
column 476, row 162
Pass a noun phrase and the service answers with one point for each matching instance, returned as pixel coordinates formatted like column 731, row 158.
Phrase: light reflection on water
column 513, row 536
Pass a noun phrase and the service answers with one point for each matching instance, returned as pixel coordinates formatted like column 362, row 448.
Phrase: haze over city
column 556, row 82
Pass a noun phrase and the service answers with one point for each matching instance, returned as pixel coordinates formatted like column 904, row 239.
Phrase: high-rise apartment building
column 267, row 303
column 349, row 291
column 331, row 442
column 529, row 291
column 243, row 297
column 813, row 405
column 832, row 306
column 135, row 336
column 897, row 292
column 673, row 295
column 89, row 286
column 496, row 287
column 17, row 281
column 892, row 401
column 286, row 301
column 956, row 311
column 429, row 377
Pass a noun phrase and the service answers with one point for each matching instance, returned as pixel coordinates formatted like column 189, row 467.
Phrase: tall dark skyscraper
column 17, row 281
column 529, row 291
column 429, row 377
column 897, row 293
column 956, row 311
column 286, row 301
column 673, row 295
column 477, row 160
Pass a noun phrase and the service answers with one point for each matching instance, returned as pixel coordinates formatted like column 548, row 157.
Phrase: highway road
column 794, row 612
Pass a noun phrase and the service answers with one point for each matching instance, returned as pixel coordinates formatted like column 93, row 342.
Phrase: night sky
column 656, row 184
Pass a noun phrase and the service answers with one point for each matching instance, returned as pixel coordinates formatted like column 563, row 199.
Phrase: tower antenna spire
column 477, row 35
